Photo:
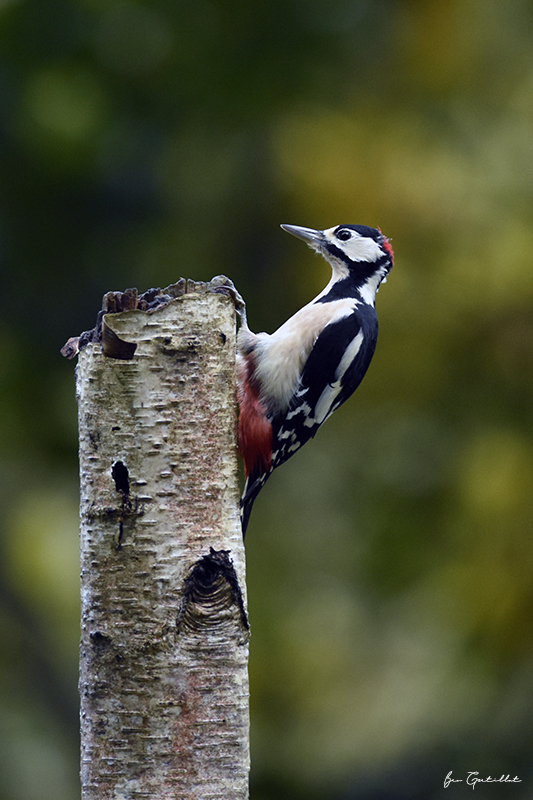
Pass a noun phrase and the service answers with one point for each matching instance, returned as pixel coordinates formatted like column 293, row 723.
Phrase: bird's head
column 355, row 251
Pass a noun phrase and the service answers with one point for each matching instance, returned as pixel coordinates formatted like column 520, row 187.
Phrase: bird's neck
column 363, row 289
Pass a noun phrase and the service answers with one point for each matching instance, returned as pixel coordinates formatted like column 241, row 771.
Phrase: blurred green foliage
column 391, row 562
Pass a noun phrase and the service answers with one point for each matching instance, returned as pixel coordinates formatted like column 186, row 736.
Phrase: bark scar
column 211, row 594
column 119, row 473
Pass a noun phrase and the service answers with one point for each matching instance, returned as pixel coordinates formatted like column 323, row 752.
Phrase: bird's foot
column 222, row 285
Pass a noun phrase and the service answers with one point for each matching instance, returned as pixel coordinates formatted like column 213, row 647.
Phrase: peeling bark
column 164, row 644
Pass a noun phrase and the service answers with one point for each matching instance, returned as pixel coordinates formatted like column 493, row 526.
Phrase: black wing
column 334, row 369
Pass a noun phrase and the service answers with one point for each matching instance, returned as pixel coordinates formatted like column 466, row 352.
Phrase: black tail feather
column 252, row 487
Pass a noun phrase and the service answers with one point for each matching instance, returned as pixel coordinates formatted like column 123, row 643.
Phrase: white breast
column 280, row 356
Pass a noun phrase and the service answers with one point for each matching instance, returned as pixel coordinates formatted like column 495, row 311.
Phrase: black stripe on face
column 338, row 253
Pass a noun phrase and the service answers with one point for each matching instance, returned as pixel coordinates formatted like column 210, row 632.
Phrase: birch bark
column 164, row 642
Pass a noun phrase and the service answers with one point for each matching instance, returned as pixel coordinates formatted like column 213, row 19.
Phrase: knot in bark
column 212, row 596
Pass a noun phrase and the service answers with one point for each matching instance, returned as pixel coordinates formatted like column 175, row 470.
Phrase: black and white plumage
column 292, row 380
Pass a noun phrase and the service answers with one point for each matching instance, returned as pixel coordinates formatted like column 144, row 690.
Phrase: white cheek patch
column 358, row 248
column 361, row 248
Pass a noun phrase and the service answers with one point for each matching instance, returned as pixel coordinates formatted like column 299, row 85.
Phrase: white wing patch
column 349, row 355
column 324, row 406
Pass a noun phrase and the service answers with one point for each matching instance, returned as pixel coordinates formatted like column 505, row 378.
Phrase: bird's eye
column 344, row 234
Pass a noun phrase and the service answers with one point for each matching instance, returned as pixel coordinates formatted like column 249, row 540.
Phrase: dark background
column 390, row 563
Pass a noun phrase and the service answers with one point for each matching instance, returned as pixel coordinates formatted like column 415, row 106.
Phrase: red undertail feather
column 255, row 430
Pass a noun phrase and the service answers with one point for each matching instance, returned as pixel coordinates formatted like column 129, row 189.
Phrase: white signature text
column 473, row 778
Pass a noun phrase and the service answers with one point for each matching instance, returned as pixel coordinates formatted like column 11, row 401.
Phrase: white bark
column 164, row 645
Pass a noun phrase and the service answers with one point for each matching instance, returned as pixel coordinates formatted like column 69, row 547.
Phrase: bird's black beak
column 311, row 237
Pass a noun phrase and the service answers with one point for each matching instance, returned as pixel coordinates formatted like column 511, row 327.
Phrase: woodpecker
column 292, row 380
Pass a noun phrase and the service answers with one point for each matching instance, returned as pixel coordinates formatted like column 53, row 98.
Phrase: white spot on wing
column 303, row 409
column 325, row 401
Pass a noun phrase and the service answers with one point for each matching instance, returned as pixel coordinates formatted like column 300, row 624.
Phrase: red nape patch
column 387, row 245
column 255, row 431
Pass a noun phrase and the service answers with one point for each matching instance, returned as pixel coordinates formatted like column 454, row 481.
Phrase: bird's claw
column 222, row 285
